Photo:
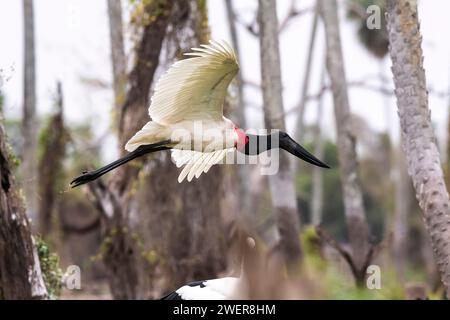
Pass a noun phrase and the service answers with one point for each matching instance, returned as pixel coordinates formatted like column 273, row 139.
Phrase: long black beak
column 288, row 144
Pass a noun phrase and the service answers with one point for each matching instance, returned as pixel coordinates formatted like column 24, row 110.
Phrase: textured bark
column 20, row 272
column 29, row 125
column 359, row 234
column 281, row 184
column 403, row 188
column 119, row 62
column 50, row 165
column 419, row 141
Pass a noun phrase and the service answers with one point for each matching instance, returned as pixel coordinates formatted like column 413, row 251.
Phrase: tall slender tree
column 306, row 77
column 317, row 177
column 238, row 114
column 282, row 189
column 359, row 234
column 53, row 140
column 403, row 200
column 419, row 141
column 29, row 125
column 119, row 62
column 240, row 111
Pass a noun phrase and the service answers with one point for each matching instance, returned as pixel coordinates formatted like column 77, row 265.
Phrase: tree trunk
column 122, row 255
column 402, row 211
column 240, row 110
column 419, row 141
column 306, row 78
column 50, row 165
column 152, row 214
column 119, row 62
column 317, row 178
column 29, row 125
column 20, row 271
column 238, row 116
column 282, row 189
column 359, row 234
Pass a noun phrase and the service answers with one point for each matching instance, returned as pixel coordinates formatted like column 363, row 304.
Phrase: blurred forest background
column 76, row 83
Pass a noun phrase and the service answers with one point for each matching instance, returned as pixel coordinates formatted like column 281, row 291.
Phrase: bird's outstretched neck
column 140, row 151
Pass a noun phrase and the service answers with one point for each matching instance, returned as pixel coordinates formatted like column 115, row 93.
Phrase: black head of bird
column 256, row 144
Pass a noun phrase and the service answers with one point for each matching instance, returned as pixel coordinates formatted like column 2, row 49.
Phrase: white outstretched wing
column 196, row 162
column 195, row 88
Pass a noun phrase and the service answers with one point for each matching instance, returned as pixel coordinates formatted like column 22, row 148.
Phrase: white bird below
column 215, row 289
column 226, row 288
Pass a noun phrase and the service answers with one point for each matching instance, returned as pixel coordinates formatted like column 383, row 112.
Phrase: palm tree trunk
column 402, row 211
column 240, row 110
column 119, row 65
column 20, row 271
column 306, row 77
column 419, row 141
column 50, row 165
column 317, row 178
column 245, row 206
column 359, row 234
column 29, row 125
column 281, row 184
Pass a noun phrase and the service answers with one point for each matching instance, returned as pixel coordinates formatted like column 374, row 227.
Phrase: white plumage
column 216, row 289
column 192, row 91
column 227, row 288
column 195, row 89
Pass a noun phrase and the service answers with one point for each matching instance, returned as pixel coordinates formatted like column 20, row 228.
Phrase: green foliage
column 333, row 278
column 44, row 136
column 13, row 130
column 202, row 25
column 333, row 215
column 312, row 247
column 51, row 271
column 333, row 219
column 143, row 15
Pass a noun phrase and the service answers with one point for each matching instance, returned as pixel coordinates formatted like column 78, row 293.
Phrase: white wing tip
column 215, row 48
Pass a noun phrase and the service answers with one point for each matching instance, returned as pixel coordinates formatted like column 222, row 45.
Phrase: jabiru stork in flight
column 186, row 112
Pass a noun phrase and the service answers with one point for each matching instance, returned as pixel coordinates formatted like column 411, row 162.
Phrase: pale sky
column 72, row 42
